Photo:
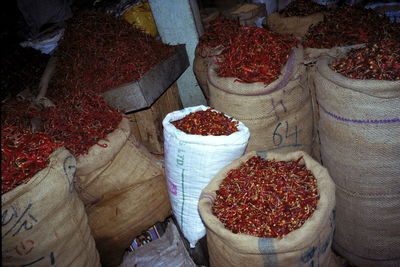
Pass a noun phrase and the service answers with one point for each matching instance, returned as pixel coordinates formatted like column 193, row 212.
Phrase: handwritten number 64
column 278, row 138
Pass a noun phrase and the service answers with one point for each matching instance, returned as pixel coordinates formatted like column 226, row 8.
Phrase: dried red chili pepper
column 255, row 55
column 100, row 52
column 80, row 120
column 207, row 122
column 379, row 61
column 23, row 155
column 351, row 25
column 301, row 8
column 266, row 198
column 220, row 33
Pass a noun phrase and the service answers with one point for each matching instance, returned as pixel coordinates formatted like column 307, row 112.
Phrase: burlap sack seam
column 360, row 195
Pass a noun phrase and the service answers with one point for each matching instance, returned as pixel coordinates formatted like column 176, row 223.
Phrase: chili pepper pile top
column 350, row 26
column 255, row 55
column 220, row 32
column 206, row 122
column 266, row 198
column 100, row 52
column 80, row 120
column 302, row 8
column 379, row 61
column 97, row 52
column 23, row 154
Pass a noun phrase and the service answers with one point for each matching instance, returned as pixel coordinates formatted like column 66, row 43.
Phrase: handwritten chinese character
column 16, row 221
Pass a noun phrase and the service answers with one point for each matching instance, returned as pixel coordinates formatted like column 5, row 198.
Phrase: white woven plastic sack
column 191, row 161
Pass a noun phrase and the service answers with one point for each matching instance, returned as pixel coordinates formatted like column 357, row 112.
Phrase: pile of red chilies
column 266, row 198
column 23, row 154
column 255, row 55
column 219, row 33
column 99, row 52
column 302, row 8
column 81, row 121
column 351, row 26
column 378, row 61
column 77, row 123
column 206, row 122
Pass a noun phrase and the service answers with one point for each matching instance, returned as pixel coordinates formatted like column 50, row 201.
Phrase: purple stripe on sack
column 339, row 118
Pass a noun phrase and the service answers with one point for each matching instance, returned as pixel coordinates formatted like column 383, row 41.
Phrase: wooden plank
column 149, row 131
column 134, row 126
column 147, row 123
column 144, row 92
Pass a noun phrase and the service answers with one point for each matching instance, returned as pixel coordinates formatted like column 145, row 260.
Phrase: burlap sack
column 279, row 115
column 44, row 221
column 297, row 26
column 360, row 146
column 124, row 162
column 200, row 65
column 311, row 56
column 122, row 215
column 98, row 156
column 310, row 245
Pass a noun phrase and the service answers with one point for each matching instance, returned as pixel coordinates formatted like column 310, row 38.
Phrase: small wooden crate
column 146, row 124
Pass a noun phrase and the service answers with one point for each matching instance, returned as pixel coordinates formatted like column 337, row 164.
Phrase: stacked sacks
column 359, row 130
column 124, row 189
column 310, row 244
column 296, row 18
column 191, row 161
column 342, row 28
column 268, row 97
column 44, row 221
